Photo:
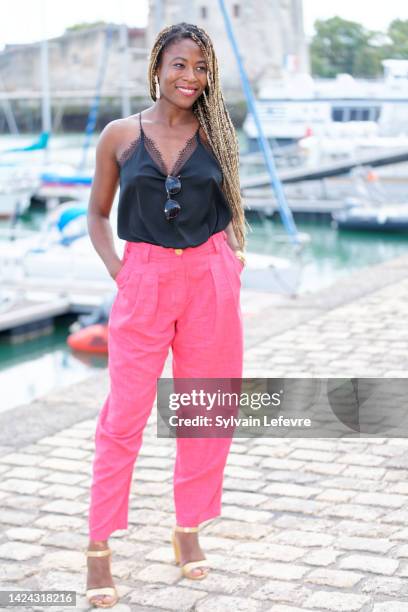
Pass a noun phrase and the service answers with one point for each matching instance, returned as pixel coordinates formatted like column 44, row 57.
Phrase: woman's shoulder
column 124, row 125
column 124, row 134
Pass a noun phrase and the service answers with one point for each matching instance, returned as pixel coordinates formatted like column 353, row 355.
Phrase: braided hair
column 212, row 114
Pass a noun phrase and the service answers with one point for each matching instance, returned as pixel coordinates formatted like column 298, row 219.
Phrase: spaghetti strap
column 131, row 148
column 140, row 122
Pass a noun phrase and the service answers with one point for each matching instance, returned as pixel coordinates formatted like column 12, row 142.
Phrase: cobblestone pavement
column 307, row 524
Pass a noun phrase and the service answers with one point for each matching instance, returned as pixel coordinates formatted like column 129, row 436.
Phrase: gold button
column 178, row 251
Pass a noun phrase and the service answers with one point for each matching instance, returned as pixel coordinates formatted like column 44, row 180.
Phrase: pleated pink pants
column 188, row 300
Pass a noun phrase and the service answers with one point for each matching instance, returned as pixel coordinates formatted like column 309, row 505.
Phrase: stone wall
column 74, row 60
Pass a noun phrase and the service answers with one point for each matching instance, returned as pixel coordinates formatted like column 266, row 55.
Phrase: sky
column 25, row 20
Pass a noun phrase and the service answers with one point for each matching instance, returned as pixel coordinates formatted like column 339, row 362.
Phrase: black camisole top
column 142, row 196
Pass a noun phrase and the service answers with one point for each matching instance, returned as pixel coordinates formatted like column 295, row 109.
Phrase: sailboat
column 370, row 209
column 18, row 183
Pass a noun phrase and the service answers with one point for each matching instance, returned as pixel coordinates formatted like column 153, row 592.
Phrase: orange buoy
column 92, row 339
column 372, row 176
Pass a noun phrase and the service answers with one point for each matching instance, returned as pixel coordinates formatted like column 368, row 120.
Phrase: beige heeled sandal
column 111, row 591
column 187, row 568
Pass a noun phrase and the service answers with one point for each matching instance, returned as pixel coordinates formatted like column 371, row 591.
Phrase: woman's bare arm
column 104, row 186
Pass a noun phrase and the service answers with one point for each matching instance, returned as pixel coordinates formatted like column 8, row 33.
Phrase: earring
column 205, row 97
column 156, row 80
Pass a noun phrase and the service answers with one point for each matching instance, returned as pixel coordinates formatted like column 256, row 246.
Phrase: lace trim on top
column 183, row 155
column 182, row 158
column 128, row 152
column 156, row 155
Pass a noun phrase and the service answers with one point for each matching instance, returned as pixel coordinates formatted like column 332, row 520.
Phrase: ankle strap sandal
column 110, row 591
column 187, row 568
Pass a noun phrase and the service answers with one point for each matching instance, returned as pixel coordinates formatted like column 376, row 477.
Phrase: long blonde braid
column 213, row 116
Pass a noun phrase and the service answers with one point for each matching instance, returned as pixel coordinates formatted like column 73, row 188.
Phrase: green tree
column 340, row 45
column 398, row 35
column 367, row 63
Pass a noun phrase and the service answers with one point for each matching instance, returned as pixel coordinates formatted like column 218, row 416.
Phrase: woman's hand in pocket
column 116, row 268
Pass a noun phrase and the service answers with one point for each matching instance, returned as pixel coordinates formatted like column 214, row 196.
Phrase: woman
column 181, row 215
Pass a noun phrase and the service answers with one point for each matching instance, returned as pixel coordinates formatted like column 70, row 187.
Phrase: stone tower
column 269, row 34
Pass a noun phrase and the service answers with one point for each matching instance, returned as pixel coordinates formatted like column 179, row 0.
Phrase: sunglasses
column 173, row 186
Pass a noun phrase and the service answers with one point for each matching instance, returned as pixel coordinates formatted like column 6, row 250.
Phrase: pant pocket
column 121, row 276
column 230, row 253
column 226, row 278
column 234, row 269
column 137, row 299
column 141, row 294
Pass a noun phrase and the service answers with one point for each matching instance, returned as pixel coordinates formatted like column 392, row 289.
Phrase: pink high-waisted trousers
column 189, row 300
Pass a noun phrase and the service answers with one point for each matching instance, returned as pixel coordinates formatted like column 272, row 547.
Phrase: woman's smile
column 186, row 91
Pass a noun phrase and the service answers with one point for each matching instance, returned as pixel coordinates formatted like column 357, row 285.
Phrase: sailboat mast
column 285, row 212
column 45, row 81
